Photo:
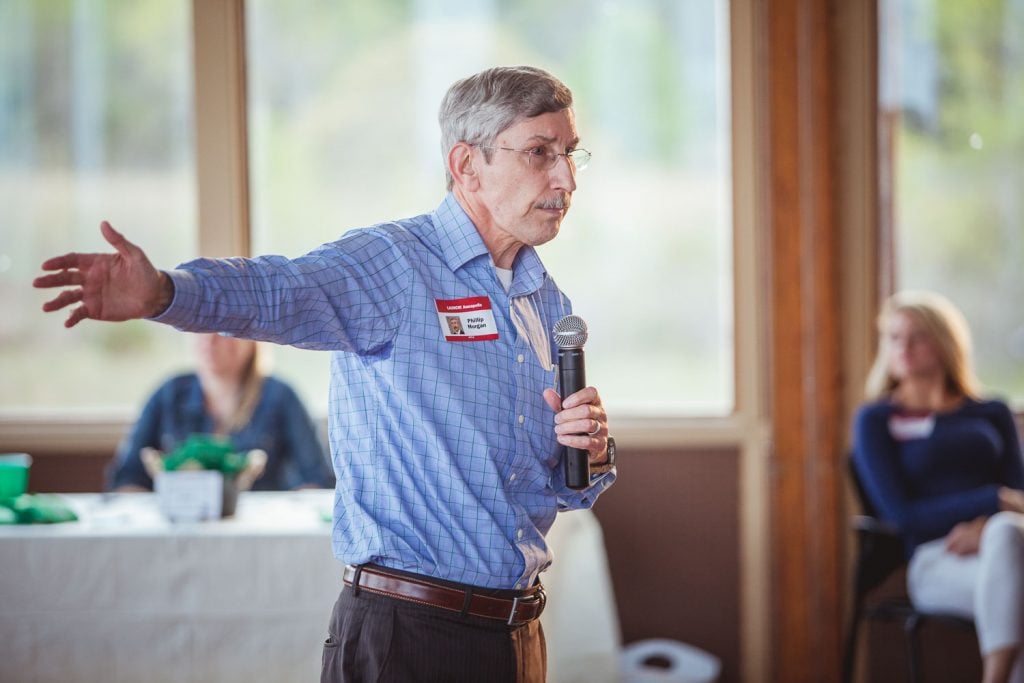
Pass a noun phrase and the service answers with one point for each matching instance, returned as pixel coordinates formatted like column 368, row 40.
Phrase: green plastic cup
column 14, row 474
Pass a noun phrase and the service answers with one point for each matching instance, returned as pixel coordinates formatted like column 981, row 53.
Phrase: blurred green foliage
column 959, row 188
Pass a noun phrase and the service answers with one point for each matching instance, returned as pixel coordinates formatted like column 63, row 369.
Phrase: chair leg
column 850, row 652
column 910, row 632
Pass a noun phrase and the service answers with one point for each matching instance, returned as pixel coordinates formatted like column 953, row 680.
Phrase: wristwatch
column 609, row 463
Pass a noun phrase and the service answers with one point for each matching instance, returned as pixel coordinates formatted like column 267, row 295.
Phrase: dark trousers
column 375, row 638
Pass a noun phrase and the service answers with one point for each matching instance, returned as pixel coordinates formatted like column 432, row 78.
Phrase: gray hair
column 475, row 110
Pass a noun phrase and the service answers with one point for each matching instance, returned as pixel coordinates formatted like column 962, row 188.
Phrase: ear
column 461, row 164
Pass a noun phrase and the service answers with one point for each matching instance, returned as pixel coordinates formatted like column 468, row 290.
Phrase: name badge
column 909, row 426
column 469, row 319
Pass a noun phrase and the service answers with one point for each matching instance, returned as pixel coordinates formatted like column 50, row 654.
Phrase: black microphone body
column 571, row 378
column 570, row 336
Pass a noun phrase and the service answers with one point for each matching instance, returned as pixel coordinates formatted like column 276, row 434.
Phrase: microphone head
column 570, row 332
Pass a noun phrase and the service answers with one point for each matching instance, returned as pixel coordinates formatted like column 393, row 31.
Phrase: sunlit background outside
column 95, row 123
column 952, row 93
column 344, row 133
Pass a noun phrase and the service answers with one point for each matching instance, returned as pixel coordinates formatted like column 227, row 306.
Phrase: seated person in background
column 229, row 395
column 945, row 467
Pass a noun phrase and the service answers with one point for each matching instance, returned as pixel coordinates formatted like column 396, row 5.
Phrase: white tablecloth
column 124, row 596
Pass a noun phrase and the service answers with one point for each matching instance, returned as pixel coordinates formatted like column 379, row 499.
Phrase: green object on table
column 205, row 452
column 14, row 469
column 37, row 508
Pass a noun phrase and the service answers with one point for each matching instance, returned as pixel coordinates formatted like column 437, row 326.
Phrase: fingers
column 71, row 260
column 64, row 278
column 116, row 239
column 588, row 433
column 580, row 420
column 76, row 316
column 587, row 426
column 65, row 298
column 585, row 419
column 553, row 400
column 585, row 395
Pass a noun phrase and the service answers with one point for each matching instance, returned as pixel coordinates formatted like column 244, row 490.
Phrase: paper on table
column 190, row 495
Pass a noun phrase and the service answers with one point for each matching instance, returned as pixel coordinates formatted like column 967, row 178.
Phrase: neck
column 501, row 245
column 221, row 396
column 923, row 393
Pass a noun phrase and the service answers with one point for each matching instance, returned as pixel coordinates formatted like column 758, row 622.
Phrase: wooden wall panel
column 671, row 526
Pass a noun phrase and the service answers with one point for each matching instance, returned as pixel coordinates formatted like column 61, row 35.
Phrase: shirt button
column 512, row 477
column 520, row 358
column 519, row 534
column 522, row 419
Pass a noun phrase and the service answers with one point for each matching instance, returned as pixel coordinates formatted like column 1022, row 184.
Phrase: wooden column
column 808, row 522
column 222, row 171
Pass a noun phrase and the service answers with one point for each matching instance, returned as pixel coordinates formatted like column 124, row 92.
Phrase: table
column 124, row 596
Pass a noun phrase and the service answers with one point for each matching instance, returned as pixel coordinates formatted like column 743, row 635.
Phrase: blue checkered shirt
column 445, row 453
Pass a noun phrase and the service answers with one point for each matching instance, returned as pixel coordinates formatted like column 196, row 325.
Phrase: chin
column 546, row 236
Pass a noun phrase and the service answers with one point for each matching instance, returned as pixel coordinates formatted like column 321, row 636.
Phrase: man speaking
column 446, row 447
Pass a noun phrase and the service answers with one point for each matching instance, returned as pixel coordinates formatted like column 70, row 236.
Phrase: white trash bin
column 686, row 663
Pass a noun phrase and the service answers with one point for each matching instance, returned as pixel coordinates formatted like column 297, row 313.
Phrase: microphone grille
column 570, row 332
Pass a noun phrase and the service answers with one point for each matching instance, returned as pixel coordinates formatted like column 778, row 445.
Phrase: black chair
column 880, row 552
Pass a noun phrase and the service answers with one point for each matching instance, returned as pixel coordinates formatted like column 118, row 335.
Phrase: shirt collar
column 457, row 236
column 460, row 243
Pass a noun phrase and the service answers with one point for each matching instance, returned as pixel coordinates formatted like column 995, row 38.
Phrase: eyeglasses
column 543, row 160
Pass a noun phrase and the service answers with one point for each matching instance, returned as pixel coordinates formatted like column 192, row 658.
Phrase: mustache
column 553, row 203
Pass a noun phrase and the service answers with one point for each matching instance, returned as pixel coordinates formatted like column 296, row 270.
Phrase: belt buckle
column 539, row 596
column 512, row 612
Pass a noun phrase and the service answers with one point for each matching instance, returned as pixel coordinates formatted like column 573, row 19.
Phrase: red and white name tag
column 469, row 319
column 911, row 426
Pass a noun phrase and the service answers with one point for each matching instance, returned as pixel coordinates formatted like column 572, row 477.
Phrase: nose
column 563, row 175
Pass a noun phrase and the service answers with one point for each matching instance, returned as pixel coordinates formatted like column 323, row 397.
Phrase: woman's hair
column 946, row 329
column 251, row 387
column 476, row 109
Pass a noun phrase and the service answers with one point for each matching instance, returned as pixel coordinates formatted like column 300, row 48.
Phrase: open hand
column 112, row 287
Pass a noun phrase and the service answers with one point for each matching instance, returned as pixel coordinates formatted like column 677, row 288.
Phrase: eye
column 538, row 151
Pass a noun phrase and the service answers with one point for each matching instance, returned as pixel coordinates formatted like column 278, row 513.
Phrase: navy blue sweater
column 926, row 472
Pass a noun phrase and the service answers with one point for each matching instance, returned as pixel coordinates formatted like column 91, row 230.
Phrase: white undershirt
column 504, row 277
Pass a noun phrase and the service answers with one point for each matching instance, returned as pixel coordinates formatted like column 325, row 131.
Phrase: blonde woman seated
column 945, row 466
column 228, row 395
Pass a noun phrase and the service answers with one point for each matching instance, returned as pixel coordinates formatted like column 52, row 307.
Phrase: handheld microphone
column 570, row 336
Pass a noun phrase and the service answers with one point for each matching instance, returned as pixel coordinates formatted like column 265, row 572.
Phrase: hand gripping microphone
column 570, row 336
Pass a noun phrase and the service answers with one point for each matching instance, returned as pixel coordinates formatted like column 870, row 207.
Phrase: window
column 952, row 92
column 95, row 123
column 343, row 99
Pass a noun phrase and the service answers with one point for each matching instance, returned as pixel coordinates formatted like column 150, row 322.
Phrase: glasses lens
column 580, row 158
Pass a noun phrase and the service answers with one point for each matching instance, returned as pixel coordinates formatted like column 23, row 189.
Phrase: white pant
column 987, row 587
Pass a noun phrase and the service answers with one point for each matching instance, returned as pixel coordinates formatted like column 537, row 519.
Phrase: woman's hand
column 965, row 537
column 1011, row 500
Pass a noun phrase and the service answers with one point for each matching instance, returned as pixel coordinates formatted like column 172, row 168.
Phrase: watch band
column 609, row 463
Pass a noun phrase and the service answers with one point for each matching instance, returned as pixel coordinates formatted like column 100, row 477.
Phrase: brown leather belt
column 520, row 608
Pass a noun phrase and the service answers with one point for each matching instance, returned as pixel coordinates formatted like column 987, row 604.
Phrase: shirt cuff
column 569, row 499
column 180, row 313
